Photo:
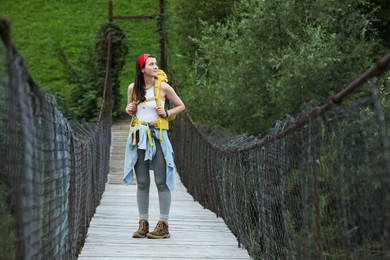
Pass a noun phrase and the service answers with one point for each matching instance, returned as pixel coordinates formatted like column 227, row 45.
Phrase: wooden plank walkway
column 196, row 233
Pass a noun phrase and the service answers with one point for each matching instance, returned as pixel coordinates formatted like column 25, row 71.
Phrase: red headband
column 142, row 59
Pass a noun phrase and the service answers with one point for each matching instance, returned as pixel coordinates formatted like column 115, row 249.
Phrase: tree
column 83, row 98
column 271, row 58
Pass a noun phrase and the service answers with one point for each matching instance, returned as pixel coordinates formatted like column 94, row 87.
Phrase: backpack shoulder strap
column 157, row 94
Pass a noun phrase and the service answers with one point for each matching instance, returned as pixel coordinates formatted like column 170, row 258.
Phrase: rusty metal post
column 161, row 28
column 111, row 16
column 110, row 12
column 106, row 106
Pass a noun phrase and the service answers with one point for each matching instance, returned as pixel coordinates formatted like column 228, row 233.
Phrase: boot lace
column 143, row 225
column 159, row 227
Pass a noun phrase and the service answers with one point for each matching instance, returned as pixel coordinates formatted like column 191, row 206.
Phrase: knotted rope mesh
column 53, row 171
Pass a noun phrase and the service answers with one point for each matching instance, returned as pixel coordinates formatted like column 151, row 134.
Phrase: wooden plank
column 119, row 133
column 196, row 233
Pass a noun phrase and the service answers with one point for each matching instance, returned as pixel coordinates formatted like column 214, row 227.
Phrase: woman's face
column 151, row 68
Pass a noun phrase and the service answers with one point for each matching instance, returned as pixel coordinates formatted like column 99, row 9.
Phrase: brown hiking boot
column 160, row 231
column 143, row 229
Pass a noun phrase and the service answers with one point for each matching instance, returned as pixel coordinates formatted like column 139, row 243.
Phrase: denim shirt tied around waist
column 131, row 154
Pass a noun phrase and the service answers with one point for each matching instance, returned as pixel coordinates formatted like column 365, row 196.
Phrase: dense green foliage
column 82, row 99
column 269, row 59
column 189, row 15
column 185, row 19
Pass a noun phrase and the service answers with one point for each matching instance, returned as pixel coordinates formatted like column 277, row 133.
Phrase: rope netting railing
column 53, row 171
column 315, row 187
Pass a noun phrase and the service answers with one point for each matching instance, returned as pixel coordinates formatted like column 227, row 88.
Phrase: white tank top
column 146, row 111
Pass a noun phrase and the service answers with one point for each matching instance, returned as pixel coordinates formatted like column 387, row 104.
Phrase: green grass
column 39, row 26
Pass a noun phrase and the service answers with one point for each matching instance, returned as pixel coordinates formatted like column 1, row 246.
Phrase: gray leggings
column 143, row 183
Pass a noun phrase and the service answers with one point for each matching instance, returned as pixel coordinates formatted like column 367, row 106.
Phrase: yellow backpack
column 161, row 123
column 161, row 76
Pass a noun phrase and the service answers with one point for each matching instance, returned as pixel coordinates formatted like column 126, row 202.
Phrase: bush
column 83, row 98
column 270, row 59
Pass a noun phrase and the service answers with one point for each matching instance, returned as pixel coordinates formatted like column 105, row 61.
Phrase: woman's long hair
column 139, row 82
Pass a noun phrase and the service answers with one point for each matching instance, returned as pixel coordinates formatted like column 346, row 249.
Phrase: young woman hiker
column 148, row 146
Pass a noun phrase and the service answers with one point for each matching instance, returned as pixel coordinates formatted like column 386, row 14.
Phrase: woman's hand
column 161, row 111
column 131, row 109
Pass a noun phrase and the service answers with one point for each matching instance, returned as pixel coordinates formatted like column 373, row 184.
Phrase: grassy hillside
column 40, row 26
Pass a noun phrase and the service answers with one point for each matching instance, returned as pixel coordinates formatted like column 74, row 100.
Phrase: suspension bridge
column 315, row 187
column 196, row 232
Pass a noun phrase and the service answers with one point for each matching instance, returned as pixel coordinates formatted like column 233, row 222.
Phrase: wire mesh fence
column 316, row 187
column 53, row 171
